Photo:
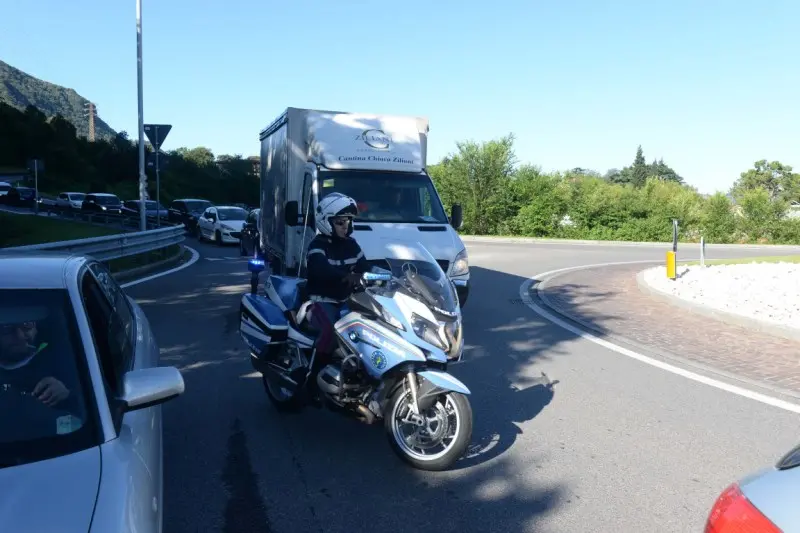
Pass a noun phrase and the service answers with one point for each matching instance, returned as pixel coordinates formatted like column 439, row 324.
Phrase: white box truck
column 378, row 160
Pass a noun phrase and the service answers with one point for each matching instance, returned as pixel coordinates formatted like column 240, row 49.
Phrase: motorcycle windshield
column 414, row 267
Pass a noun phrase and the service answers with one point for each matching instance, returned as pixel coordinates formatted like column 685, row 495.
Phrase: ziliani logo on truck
column 376, row 158
column 376, row 139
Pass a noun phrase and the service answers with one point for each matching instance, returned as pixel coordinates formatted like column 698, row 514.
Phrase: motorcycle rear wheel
column 282, row 398
column 450, row 407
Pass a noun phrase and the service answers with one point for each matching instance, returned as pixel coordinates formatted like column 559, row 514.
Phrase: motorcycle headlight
column 428, row 331
column 461, row 264
column 392, row 321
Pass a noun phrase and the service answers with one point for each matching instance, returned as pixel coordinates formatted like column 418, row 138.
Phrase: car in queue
column 102, row 202
column 187, row 211
column 221, row 224
column 80, row 400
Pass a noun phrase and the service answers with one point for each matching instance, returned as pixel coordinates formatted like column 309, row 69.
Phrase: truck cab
column 392, row 207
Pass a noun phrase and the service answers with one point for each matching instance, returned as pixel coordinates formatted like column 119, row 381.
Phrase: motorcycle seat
column 303, row 320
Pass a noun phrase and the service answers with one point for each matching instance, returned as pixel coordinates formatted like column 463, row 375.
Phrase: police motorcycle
column 399, row 331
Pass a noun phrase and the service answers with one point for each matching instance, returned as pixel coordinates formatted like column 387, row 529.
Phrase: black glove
column 352, row 279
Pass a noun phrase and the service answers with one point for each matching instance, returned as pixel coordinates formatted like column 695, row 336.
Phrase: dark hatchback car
column 20, row 196
column 101, row 202
column 248, row 241
column 186, row 211
column 130, row 208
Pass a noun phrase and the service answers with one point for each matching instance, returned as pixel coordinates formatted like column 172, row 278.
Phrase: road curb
column 665, row 245
column 132, row 274
column 537, row 288
column 723, row 316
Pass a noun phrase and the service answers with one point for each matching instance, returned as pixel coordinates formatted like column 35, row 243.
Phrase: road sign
column 163, row 161
column 36, row 165
column 156, row 133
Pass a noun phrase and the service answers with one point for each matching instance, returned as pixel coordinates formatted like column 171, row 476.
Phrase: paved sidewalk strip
column 609, row 300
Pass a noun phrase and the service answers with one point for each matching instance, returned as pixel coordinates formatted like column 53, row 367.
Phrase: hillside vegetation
column 499, row 196
column 19, row 89
column 75, row 164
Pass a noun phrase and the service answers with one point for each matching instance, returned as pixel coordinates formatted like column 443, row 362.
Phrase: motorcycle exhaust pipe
column 368, row 417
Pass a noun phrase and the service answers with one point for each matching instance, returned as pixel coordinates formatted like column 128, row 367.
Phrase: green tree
column 775, row 178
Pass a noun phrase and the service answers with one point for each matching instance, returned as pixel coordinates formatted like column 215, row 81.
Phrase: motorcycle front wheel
column 443, row 438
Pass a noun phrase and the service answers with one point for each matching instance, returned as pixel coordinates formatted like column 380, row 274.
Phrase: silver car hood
column 54, row 495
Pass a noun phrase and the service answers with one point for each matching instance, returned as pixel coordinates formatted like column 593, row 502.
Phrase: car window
column 231, row 213
column 120, row 320
column 41, row 356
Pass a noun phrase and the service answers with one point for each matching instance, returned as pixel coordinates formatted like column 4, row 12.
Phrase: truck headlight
column 461, row 264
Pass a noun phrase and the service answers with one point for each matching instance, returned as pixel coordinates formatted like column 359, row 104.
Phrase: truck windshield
column 385, row 196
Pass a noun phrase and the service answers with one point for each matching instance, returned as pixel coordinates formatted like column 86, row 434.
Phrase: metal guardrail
column 111, row 247
column 123, row 221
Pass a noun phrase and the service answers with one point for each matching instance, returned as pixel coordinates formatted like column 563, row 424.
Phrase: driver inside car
column 26, row 367
column 335, row 264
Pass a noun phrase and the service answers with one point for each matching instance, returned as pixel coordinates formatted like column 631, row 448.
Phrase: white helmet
column 334, row 205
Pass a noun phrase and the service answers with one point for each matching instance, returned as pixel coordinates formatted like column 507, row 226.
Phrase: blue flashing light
column 256, row 265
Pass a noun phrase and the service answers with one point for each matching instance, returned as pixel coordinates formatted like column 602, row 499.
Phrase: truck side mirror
column 291, row 213
column 456, row 216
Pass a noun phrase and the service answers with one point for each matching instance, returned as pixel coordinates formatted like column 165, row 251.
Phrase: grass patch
column 134, row 261
column 748, row 260
column 22, row 230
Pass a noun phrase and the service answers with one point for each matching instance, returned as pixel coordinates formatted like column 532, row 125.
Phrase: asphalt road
column 601, row 442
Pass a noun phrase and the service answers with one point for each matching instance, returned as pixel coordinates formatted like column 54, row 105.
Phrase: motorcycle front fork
column 413, row 415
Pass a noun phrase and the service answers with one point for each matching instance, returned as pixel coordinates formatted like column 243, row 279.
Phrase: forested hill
column 19, row 90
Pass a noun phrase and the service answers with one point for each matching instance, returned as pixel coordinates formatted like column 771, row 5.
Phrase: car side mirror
column 457, row 216
column 150, row 386
column 291, row 213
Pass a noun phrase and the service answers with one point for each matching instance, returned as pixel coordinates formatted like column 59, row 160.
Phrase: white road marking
column 524, row 293
column 232, row 258
column 190, row 262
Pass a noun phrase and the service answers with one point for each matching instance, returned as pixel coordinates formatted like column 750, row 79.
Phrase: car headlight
column 428, row 331
column 461, row 264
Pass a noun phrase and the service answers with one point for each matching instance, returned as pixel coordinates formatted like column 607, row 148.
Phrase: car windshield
column 197, row 205
column 231, row 213
column 413, row 267
column 77, row 196
column 4, row 187
column 43, row 379
column 107, row 200
column 386, row 196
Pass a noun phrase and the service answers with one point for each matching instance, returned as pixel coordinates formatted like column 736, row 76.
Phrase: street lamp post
column 142, row 175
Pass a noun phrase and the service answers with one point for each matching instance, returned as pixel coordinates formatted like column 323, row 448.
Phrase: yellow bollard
column 671, row 270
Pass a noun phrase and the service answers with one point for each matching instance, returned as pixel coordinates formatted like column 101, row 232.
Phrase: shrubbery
column 635, row 204
column 499, row 197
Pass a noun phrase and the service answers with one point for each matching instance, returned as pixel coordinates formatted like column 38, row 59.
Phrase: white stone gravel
column 765, row 291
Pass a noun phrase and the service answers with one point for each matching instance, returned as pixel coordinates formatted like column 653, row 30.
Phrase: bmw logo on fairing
column 378, row 359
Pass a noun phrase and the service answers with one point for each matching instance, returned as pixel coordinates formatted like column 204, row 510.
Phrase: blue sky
column 710, row 86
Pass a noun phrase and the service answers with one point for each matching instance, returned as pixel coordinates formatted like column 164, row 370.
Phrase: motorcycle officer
column 335, row 263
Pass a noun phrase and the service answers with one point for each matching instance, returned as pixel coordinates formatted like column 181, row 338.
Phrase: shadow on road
column 508, row 346
column 319, row 472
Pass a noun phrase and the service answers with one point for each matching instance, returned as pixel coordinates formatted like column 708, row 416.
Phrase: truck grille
column 382, row 263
